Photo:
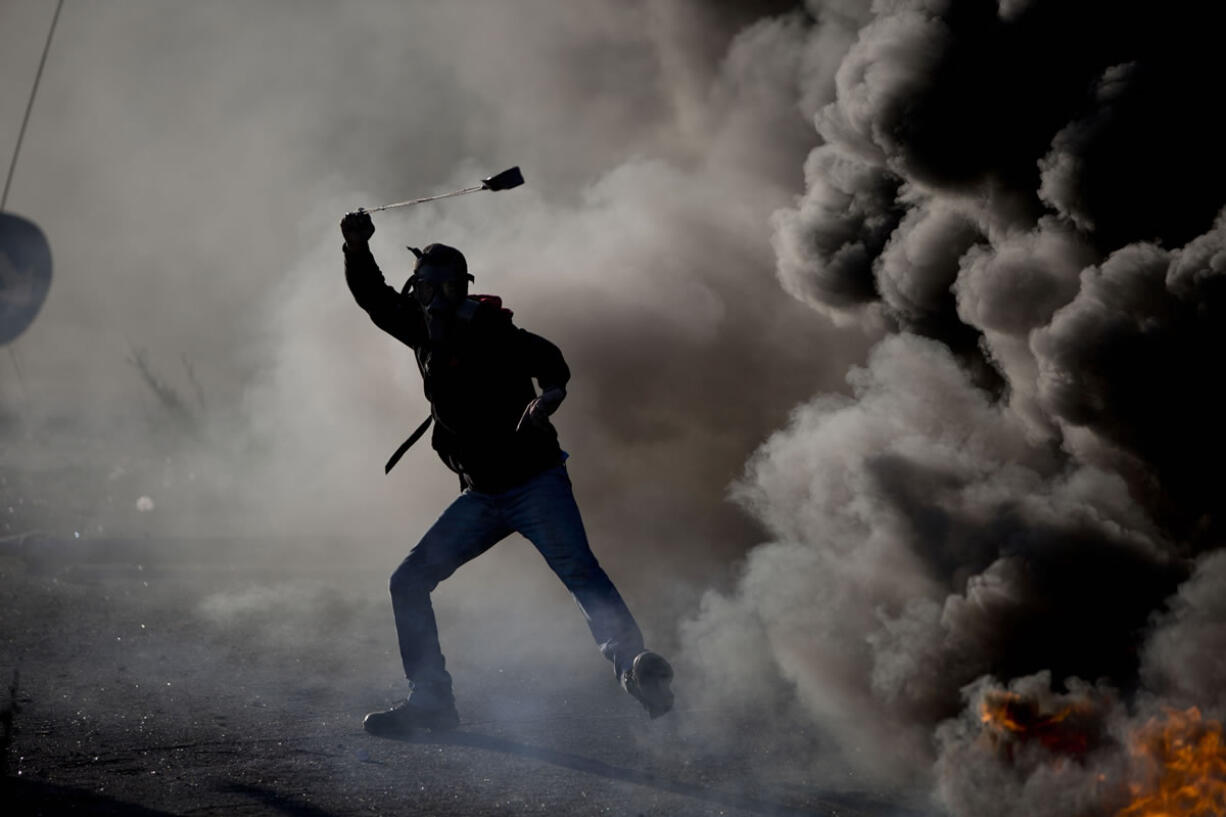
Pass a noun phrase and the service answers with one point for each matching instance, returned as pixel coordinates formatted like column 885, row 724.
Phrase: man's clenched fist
column 357, row 228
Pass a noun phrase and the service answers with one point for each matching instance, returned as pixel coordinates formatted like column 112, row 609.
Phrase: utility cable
column 30, row 105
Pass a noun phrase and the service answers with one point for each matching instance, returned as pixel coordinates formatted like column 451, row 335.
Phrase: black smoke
column 1027, row 197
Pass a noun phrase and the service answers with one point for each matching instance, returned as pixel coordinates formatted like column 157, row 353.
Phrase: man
column 493, row 430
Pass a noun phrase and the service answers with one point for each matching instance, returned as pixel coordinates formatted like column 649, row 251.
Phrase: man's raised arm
column 390, row 311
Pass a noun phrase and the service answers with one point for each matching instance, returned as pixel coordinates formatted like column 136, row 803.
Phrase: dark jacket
column 478, row 386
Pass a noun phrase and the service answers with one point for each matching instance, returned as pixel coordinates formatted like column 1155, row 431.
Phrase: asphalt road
column 205, row 679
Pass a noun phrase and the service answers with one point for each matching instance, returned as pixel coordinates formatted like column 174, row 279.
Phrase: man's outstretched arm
column 386, row 307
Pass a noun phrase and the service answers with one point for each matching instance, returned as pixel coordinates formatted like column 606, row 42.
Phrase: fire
column 1185, row 761
column 1068, row 729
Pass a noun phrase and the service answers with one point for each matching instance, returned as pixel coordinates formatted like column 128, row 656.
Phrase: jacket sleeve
column 544, row 360
column 390, row 311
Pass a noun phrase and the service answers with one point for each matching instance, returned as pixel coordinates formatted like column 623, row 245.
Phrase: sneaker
column 406, row 717
column 647, row 681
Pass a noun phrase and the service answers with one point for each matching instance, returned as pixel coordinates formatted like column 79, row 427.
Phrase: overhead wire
column 21, row 135
column 25, row 120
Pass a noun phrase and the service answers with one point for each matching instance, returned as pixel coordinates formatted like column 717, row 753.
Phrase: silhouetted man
column 493, row 430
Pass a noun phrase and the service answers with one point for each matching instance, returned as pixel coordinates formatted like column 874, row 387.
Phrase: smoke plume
column 200, row 372
column 201, row 349
column 1018, row 497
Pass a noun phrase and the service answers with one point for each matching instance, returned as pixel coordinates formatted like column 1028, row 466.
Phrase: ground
column 203, row 678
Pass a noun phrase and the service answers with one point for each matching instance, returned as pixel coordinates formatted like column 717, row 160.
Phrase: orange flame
column 1066, row 730
column 1185, row 759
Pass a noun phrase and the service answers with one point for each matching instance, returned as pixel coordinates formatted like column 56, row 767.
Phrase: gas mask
column 439, row 284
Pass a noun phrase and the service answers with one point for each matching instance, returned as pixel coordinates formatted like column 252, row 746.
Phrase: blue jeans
column 543, row 509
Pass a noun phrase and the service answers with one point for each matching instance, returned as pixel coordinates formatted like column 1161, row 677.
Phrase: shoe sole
column 391, row 730
column 653, row 675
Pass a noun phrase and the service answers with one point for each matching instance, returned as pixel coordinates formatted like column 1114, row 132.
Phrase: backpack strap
column 469, row 308
column 407, row 444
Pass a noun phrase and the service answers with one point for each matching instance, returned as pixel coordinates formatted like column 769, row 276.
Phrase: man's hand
column 357, row 228
column 538, row 411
